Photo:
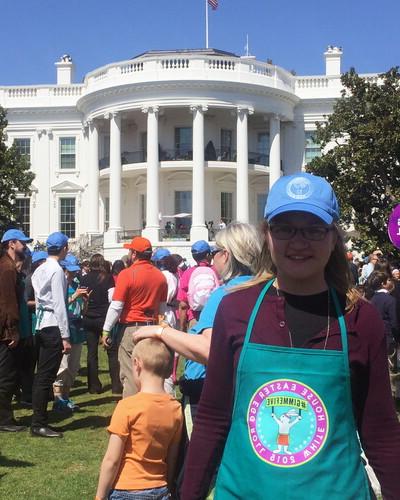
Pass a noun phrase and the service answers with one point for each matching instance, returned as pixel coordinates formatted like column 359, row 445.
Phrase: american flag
column 213, row 4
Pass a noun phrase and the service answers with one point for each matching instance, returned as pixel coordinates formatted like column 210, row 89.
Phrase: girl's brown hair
column 99, row 265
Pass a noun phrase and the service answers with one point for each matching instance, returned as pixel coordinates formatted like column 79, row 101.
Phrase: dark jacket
column 9, row 314
column 386, row 305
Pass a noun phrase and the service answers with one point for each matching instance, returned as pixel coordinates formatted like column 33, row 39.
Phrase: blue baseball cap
column 214, row 249
column 200, row 246
column 302, row 192
column 15, row 234
column 57, row 240
column 39, row 255
column 160, row 254
column 70, row 263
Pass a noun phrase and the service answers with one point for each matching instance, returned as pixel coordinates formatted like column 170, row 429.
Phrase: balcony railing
column 219, row 154
column 128, row 234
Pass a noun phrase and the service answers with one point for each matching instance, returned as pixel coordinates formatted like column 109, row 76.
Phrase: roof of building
column 206, row 52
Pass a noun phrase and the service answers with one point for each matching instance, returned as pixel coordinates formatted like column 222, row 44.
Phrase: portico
column 238, row 164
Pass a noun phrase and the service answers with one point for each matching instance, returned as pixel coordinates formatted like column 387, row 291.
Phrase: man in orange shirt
column 140, row 296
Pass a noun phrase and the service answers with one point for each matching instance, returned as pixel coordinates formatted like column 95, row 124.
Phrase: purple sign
column 394, row 226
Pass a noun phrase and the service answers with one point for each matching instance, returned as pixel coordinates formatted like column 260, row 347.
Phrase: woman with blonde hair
column 236, row 260
column 297, row 374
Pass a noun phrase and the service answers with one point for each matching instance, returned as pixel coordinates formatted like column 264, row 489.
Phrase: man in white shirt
column 52, row 338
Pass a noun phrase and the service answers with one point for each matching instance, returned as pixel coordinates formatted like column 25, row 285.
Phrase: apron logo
column 288, row 423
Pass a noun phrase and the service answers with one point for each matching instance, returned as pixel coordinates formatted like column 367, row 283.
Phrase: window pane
column 312, row 148
column 106, row 213
column 23, row 210
column 227, row 207
column 183, row 204
column 67, row 152
column 143, row 209
column 183, row 141
column 67, row 217
column 23, row 147
column 261, row 200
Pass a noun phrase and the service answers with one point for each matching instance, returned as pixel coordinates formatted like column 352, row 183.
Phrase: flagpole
column 206, row 2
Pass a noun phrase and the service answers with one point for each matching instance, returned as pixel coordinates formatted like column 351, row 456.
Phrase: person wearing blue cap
column 297, row 374
column 163, row 259
column 70, row 362
column 13, row 246
column 53, row 337
column 189, row 310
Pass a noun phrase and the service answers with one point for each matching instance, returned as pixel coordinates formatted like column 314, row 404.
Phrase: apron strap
column 343, row 332
column 255, row 311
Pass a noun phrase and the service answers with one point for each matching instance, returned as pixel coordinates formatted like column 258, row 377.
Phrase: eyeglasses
column 217, row 250
column 311, row 233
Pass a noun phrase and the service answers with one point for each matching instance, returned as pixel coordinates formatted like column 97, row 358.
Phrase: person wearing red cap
column 139, row 298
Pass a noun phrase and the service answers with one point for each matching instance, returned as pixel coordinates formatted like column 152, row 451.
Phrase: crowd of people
column 290, row 348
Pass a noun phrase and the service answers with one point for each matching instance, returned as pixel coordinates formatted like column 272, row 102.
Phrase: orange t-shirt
column 141, row 287
column 151, row 423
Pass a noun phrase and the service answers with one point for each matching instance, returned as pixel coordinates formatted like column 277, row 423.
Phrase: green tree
column 364, row 164
column 15, row 177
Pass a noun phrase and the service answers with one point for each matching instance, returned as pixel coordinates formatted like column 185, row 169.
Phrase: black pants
column 27, row 356
column 94, row 327
column 8, row 382
column 50, row 355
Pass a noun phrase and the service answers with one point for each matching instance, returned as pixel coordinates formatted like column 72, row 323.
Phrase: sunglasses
column 310, row 233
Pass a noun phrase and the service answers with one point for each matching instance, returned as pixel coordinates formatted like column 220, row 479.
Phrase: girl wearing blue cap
column 296, row 345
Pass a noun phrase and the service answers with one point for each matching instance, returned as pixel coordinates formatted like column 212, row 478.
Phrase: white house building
column 163, row 142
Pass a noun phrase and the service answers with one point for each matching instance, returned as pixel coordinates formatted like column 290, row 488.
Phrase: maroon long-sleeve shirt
column 373, row 406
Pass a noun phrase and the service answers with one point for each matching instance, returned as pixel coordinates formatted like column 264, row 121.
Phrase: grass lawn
column 64, row 469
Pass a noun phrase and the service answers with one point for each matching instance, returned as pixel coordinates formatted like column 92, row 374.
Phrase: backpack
column 202, row 282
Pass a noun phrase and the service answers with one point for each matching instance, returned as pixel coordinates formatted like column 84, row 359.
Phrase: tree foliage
column 364, row 164
column 15, row 177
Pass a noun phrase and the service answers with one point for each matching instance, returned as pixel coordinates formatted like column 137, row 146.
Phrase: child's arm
column 172, row 457
column 110, row 465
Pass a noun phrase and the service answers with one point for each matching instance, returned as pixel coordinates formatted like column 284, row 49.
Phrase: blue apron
column 293, row 434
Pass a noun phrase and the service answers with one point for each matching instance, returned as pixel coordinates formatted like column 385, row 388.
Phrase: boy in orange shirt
column 145, row 432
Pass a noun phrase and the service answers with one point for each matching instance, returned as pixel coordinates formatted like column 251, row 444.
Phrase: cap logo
column 299, row 188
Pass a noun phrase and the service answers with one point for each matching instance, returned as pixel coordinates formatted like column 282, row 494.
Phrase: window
column 263, row 148
column 183, row 204
column 143, row 209
column 312, row 149
column 23, row 147
column 23, row 211
column 67, row 217
column 183, row 143
column 143, row 147
column 106, row 213
column 227, row 207
column 261, row 200
column 226, row 144
column 67, row 152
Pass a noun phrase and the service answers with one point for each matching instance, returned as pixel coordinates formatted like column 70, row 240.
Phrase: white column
column 198, row 231
column 242, row 166
column 274, row 150
column 115, row 179
column 152, row 230
column 93, row 179
column 44, row 202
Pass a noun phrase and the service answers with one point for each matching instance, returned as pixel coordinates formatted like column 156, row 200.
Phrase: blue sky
column 294, row 34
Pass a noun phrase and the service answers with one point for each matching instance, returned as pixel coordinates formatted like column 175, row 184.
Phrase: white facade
column 202, row 132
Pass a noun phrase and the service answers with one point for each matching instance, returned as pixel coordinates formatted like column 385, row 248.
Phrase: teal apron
column 293, row 434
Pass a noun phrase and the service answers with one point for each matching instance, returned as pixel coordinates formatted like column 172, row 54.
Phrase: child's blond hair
column 156, row 357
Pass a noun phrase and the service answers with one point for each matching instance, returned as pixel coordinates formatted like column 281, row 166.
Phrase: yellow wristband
column 105, row 334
